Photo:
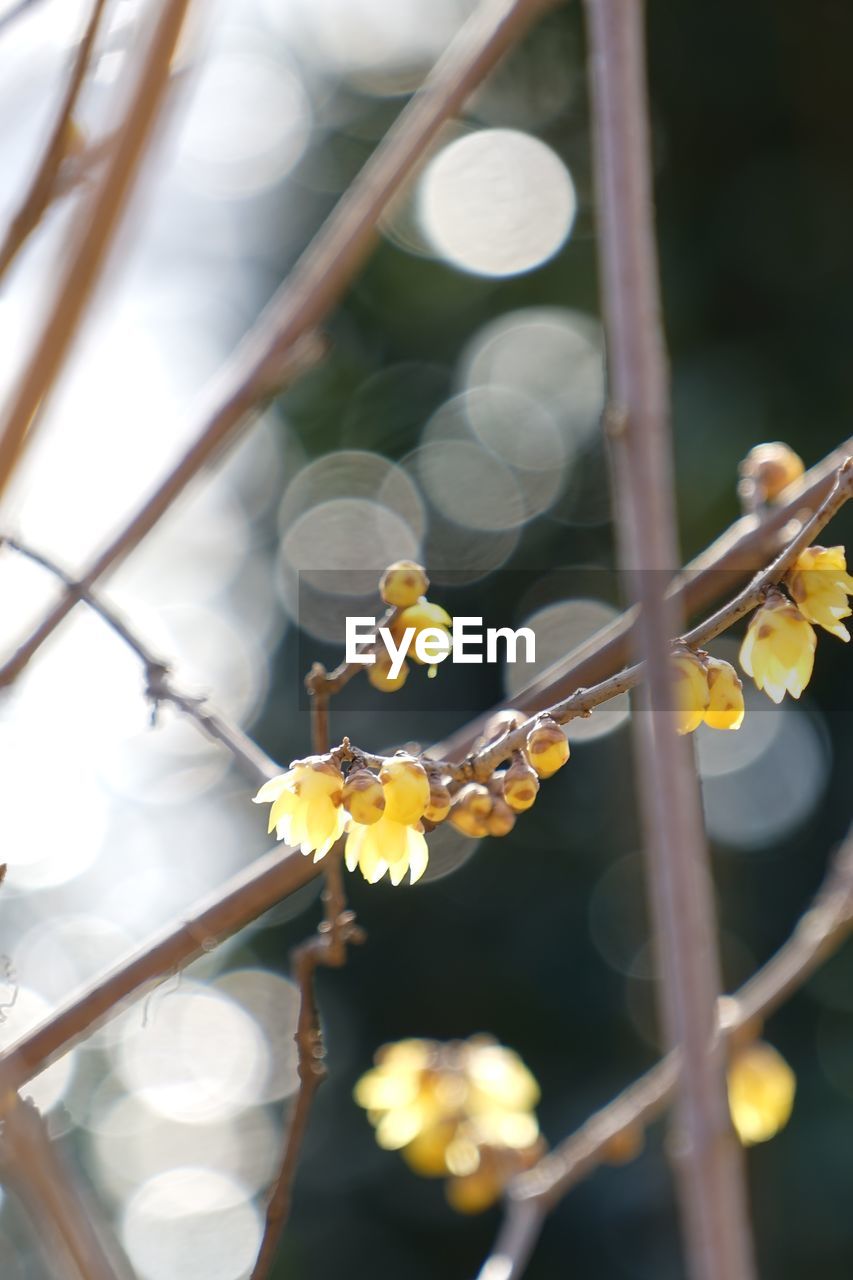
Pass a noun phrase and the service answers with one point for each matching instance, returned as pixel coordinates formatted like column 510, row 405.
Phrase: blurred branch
column 707, row 1159
column 274, row 350
column 61, row 1217
column 159, row 686
column 817, row 936
column 43, row 186
column 92, row 237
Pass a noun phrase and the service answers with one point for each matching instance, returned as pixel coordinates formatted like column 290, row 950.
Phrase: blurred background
column 455, row 420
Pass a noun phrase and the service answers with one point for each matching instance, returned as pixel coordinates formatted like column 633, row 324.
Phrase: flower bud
column 440, row 801
column 690, row 692
column 501, row 820
column 520, row 785
column 403, row 583
column 406, row 787
column 379, row 674
column 768, row 469
column 547, row 747
column 761, row 1088
column 725, row 705
column 364, row 799
column 471, row 809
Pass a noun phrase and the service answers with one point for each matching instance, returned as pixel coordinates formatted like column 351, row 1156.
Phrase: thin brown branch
column 61, row 1218
column 819, row 933
column 159, row 684
column 43, row 186
column 269, row 354
column 707, row 1159
column 328, row 947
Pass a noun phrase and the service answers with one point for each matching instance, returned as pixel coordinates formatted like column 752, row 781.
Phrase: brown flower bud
column 364, row 798
column 520, row 785
column 547, row 747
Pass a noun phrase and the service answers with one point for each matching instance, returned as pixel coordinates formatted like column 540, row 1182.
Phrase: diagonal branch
column 61, row 1216
column 270, row 353
column 91, row 238
column 707, row 1160
column 43, row 186
column 819, row 933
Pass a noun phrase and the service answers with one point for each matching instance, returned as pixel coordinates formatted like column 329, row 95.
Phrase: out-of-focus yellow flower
column 761, row 1092
column 462, row 1110
column 307, row 810
column 820, row 584
column 768, row 469
column 403, row 584
column 778, row 648
column 690, row 690
column 387, row 846
column 725, row 708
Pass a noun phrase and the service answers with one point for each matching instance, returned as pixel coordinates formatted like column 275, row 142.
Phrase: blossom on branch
column 778, row 649
column 307, row 809
column 761, row 1089
column 820, row 584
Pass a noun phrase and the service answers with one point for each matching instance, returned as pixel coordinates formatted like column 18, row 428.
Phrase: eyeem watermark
column 467, row 642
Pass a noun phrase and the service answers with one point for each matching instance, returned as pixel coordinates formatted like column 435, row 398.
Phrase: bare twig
column 267, row 357
column 817, row 935
column 91, row 239
column 328, row 947
column 159, row 685
column 61, row 1217
column 706, row 1157
column 43, row 185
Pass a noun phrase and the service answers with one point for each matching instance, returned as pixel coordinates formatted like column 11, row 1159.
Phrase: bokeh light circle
column 496, row 202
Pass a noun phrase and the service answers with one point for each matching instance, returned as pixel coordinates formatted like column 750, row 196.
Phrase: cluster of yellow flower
column 779, row 646
column 461, row 1111
column 778, row 649
column 313, row 805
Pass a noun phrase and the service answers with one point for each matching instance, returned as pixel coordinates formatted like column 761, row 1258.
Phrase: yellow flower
column 423, row 616
column 379, row 674
column 761, row 1092
column 520, row 785
column 690, row 690
column 364, row 798
column 387, row 845
column 820, row 584
column 462, row 1110
column 725, row 703
column 778, row 649
column 306, row 805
